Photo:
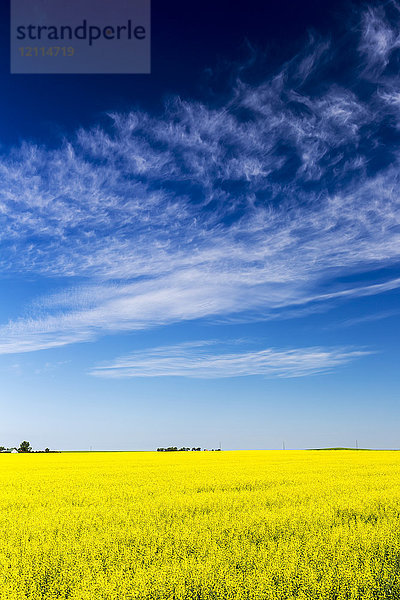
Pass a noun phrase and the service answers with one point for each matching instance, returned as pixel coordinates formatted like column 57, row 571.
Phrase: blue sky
column 209, row 254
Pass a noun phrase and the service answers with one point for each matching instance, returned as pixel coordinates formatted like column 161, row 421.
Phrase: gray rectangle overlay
column 80, row 36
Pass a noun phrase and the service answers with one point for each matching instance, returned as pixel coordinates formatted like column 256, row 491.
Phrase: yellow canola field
column 200, row 525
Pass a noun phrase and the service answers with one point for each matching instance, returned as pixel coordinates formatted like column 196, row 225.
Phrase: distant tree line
column 175, row 449
column 183, row 449
column 25, row 448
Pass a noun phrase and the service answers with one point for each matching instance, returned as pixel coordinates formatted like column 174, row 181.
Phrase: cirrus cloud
column 249, row 208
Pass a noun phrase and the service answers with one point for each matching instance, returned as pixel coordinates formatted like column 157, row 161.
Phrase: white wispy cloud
column 368, row 318
column 379, row 38
column 253, row 206
column 196, row 361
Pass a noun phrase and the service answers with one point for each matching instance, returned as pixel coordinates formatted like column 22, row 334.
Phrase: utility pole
column 283, row 446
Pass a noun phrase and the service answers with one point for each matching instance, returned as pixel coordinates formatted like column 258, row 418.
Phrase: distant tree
column 25, row 447
column 2, row 448
column 47, row 449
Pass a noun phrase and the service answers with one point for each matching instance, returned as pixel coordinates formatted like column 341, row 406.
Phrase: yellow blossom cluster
column 259, row 525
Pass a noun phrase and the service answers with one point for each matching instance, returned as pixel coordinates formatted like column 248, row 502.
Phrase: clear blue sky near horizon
column 208, row 254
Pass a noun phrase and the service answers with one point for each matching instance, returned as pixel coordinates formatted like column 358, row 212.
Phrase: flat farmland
column 263, row 525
